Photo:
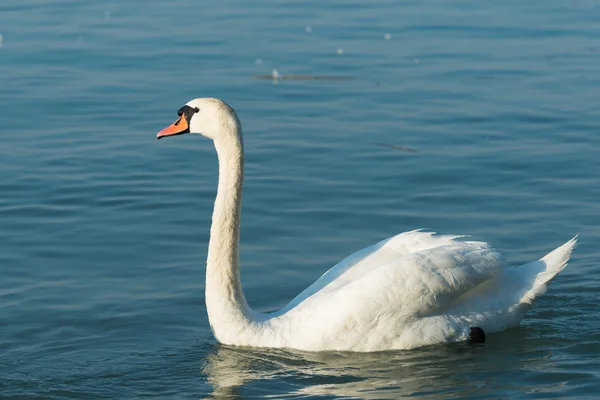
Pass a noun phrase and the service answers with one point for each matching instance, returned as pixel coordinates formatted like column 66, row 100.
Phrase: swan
column 411, row 290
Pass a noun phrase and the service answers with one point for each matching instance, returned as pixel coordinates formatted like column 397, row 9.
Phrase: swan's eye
column 196, row 109
column 180, row 112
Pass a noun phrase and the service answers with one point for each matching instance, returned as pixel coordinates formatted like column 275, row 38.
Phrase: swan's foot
column 476, row 335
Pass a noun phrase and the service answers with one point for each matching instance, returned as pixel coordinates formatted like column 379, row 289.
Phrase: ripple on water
column 103, row 229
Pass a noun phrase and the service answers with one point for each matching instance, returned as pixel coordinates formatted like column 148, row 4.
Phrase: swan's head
column 209, row 117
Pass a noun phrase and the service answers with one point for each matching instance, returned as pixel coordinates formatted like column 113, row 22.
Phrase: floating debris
column 308, row 29
column 396, row 147
column 278, row 77
column 416, row 61
column 340, row 51
column 387, row 36
column 258, row 61
column 0, row 40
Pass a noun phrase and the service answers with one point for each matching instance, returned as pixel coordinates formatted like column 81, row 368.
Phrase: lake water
column 104, row 230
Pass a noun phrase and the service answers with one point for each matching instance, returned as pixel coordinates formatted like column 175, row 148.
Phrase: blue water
column 104, row 230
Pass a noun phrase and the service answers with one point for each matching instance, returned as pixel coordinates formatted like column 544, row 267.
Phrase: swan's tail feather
column 546, row 269
column 556, row 261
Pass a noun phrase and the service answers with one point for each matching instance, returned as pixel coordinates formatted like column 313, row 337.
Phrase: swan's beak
column 178, row 127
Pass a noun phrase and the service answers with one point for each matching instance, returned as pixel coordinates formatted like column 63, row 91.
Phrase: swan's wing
column 423, row 283
column 413, row 261
column 400, row 304
column 394, row 295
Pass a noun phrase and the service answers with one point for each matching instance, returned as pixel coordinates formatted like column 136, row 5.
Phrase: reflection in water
column 433, row 372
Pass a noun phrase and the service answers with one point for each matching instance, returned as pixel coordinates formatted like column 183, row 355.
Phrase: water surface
column 103, row 230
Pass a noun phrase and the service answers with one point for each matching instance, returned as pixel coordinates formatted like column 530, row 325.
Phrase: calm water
column 103, row 229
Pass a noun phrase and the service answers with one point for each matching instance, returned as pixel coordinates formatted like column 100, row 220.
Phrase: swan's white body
column 411, row 290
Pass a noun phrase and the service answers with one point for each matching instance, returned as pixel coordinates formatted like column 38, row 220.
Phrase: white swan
column 411, row 290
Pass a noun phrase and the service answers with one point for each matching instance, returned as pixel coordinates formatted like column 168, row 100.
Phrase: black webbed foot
column 476, row 335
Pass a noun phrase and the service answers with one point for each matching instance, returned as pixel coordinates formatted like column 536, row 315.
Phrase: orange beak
column 178, row 127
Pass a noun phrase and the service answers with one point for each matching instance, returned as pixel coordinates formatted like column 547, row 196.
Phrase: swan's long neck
column 228, row 310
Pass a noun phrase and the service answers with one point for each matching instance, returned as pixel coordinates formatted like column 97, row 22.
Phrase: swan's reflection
column 434, row 372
